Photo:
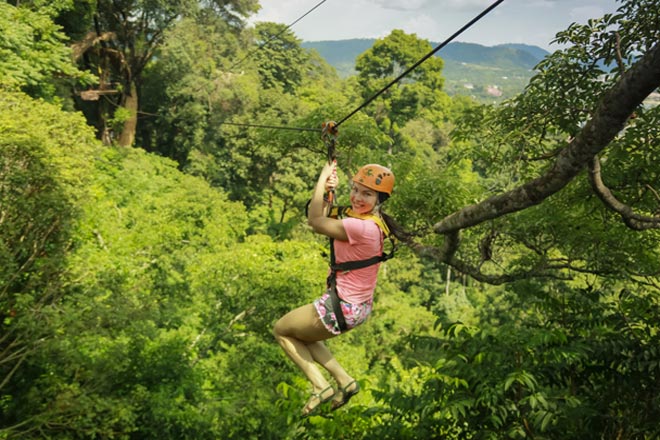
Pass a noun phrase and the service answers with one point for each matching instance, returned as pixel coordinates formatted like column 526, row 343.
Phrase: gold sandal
column 318, row 396
column 346, row 395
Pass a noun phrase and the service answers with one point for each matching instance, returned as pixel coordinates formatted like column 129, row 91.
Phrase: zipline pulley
column 329, row 135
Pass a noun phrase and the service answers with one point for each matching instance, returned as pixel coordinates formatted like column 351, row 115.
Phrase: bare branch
column 11, row 372
column 630, row 218
column 653, row 191
column 446, row 254
column 619, row 57
column 90, row 40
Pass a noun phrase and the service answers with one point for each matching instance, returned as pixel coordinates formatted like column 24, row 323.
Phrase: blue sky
column 514, row 21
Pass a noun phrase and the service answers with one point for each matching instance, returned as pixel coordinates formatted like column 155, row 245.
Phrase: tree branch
column 630, row 218
column 446, row 254
column 609, row 117
column 11, row 372
column 90, row 40
column 443, row 254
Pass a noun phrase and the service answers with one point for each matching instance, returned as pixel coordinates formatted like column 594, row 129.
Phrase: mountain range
column 487, row 73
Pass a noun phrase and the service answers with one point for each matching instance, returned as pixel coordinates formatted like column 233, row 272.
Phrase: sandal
column 311, row 410
column 346, row 394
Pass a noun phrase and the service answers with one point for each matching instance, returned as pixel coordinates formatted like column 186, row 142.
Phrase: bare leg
column 295, row 331
column 345, row 383
column 301, row 335
column 324, row 357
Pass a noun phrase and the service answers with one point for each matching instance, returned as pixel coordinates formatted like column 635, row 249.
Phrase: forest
column 156, row 157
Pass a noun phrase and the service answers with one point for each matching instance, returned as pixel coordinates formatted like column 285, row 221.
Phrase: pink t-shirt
column 365, row 240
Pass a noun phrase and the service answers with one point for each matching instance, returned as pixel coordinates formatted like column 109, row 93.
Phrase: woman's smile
column 363, row 199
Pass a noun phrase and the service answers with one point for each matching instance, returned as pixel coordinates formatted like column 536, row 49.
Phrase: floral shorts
column 354, row 314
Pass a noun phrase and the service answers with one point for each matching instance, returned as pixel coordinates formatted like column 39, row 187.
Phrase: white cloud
column 548, row 4
column 419, row 24
column 398, row 5
column 583, row 13
column 426, row 5
column 283, row 11
column 466, row 5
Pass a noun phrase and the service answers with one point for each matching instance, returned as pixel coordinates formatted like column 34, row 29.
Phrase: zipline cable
column 277, row 127
column 240, row 124
column 275, row 36
column 410, row 69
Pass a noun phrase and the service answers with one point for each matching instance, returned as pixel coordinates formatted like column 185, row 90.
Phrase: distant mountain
column 501, row 56
column 484, row 72
column 342, row 53
column 534, row 51
column 338, row 52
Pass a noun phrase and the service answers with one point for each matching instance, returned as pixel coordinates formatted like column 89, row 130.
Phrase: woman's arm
column 317, row 218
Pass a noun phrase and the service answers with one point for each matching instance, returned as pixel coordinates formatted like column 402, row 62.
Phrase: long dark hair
column 393, row 226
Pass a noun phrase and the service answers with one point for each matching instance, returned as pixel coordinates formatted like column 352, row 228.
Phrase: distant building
column 494, row 91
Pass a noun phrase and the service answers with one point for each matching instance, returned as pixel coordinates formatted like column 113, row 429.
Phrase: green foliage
column 280, row 59
column 190, row 82
column 160, row 306
column 43, row 179
column 550, row 375
column 119, row 118
column 74, row 16
column 33, row 52
column 137, row 292
column 636, row 155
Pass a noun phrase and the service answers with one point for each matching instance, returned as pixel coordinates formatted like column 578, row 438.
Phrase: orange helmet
column 375, row 177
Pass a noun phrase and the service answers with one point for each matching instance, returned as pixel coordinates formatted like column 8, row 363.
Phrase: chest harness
column 342, row 212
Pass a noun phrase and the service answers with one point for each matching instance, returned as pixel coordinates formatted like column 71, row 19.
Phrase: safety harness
column 342, row 212
column 329, row 135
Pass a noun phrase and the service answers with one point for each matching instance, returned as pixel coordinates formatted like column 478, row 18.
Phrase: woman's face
column 363, row 199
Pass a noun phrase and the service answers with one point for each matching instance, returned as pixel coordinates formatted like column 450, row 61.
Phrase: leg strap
column 336, row 304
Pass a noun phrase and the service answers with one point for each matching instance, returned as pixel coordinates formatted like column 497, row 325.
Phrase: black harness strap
column 345, row 266
column 332, row 290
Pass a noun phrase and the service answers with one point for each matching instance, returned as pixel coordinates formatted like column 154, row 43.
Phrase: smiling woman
column 356, row 253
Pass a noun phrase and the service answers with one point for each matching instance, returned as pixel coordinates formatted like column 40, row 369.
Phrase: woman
column 302, row 331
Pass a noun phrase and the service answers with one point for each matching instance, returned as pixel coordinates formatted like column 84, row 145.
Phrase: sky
column 532, row 22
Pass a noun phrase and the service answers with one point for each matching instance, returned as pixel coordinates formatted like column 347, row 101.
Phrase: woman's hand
column 332, row 180
column 317, row 218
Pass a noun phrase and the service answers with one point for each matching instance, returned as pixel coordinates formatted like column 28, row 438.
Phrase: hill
column 502, row 56
column 488, row 73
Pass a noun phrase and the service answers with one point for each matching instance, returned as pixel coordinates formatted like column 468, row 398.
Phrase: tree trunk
column 127, row 136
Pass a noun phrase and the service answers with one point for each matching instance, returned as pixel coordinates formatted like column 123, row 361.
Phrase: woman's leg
column 324, row 357
column 345, row 383
column 295, row 331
